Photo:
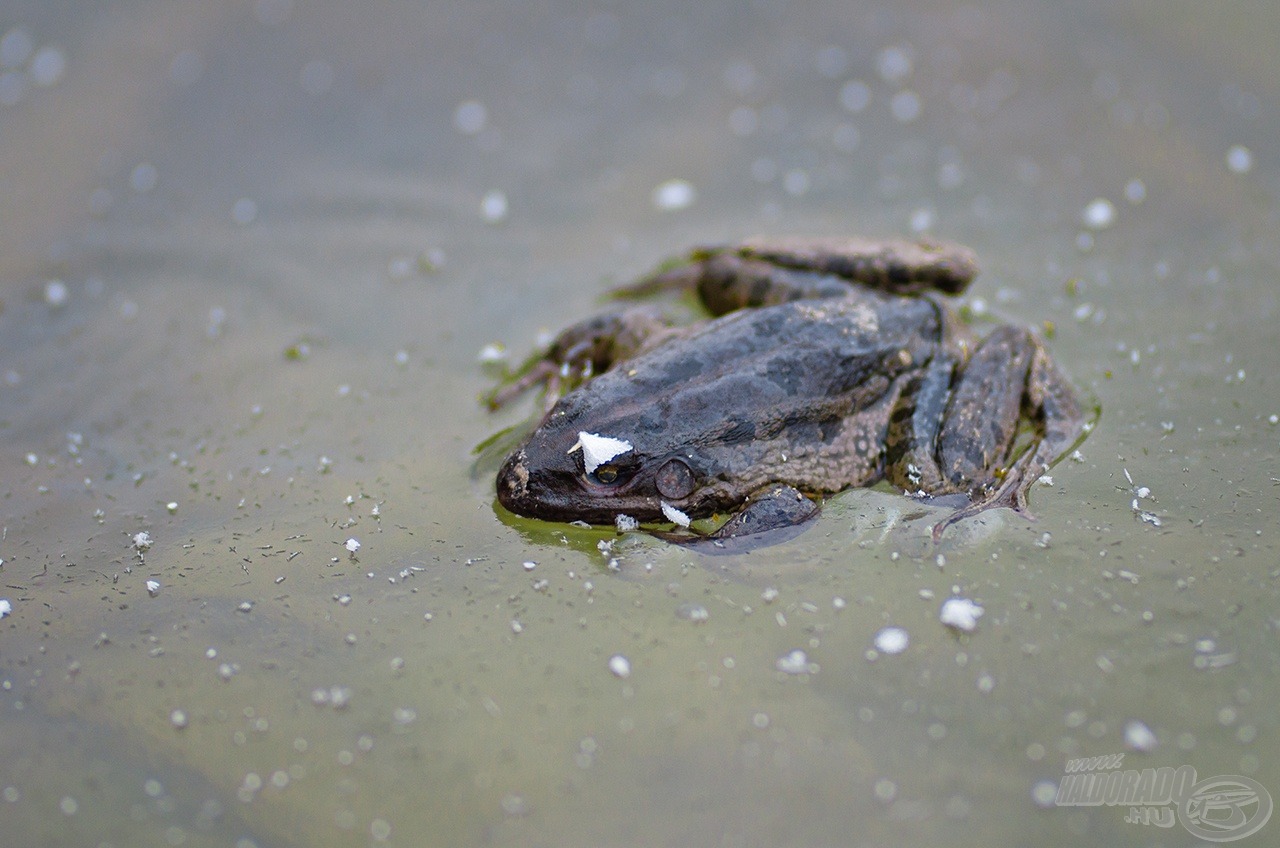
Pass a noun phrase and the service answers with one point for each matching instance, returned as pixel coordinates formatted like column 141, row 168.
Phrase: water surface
column 251, row 251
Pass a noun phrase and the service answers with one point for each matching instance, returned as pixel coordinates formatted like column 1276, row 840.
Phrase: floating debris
column 56, row 293
column 1138, row 737
column 674, row 195
column 696, row 613
column 796, row 662
column 142, row 541
column 153, row 587
column 960, row 614
column 1141, row 493
column 674, row 515
column 337, row 697
column 6, row 607
column 625, row 523
column 178, row 718
column 891, row 640
column 352, row 545
column 1239, row 159
column 493, row 206
column 1099, row 214
column 620, row 666
column 492, row 353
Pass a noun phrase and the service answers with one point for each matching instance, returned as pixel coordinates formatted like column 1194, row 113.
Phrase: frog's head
column 623, row 464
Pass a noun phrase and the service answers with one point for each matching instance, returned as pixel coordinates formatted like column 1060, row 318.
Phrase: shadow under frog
column 828, row 364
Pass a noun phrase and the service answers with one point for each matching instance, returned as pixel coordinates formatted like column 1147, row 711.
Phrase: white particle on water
column 153, row 587
column 625, row 523
column 47, row 66
column 1099, row 214
column 244, row 211
column 470, row 117
column 142, row 540
column 891, row 640
column 885, row 790
column 1239, row 159
column 15, row 47
column 620, row 666
column 178, row 719
column 143, row 177
column 906, row 106
column 1135, row 192
column 1139, row 737
column 1043, row 794
column 695, row 613
column 674, row 195
column 6, row 607
column 894, row 64
column 855, row 95
column 493, row 206
column 795, row 662
column 56, row 293
column 352, row 545
column 491, row 353
column 960, row 613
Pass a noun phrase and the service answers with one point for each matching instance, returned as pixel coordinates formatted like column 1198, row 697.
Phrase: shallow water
column 283, row 233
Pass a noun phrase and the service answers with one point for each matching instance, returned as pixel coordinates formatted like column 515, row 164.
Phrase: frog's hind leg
column 727, row 281
column 1008, row 380
column 894, row 265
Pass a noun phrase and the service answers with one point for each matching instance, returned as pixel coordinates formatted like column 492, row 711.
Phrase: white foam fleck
column 796, row 662
column 1099, row 214
column 960, row 613
column 891, row 640
column 674, row 195
column 674, row 515
column 620, row 666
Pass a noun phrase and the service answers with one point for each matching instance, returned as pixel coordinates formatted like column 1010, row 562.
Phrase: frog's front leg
column 770, row 516
column 1009, row 379
column 583, row 350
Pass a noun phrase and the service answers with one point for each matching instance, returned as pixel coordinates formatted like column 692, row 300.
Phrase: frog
column 823, row 364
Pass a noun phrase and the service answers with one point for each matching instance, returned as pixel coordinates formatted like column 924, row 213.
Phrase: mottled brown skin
column 817, row 375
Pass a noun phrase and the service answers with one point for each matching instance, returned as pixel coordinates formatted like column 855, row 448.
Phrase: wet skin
column 828, row 364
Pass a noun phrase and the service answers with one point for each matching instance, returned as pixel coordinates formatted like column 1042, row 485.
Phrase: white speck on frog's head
column 597, row 449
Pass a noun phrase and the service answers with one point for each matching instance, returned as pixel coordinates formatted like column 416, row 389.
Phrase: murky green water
column 249, row 252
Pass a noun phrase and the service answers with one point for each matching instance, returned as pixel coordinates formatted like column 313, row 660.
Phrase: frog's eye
column 675, row 480
column 606, row 474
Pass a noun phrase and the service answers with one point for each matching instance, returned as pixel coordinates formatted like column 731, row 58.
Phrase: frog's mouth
column 563, row 495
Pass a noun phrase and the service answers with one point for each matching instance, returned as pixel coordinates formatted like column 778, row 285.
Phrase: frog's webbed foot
column 580, row 352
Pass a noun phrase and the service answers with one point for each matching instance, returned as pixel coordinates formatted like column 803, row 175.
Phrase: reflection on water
column 249, row 256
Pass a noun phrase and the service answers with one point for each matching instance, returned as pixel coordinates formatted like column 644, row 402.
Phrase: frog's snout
column 513, row 481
